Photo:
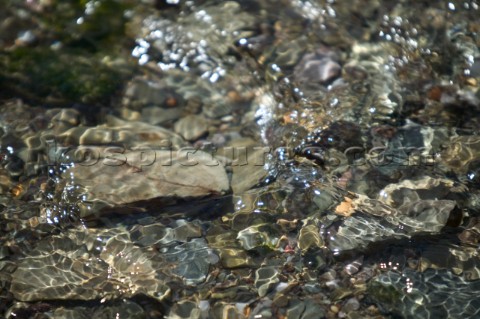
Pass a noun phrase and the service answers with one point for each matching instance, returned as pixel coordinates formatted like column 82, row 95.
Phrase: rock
column 190, row 261
column 200, row 37
column 126, row 308
column 408, row 191
column 449, row 297
column 157, row 115
column 53, row 278
column 234, row 258
column 248, row 164
column 314, row 260
column 379, row 222
column 221, row 310
column 352, row 304
column 72, row 272
column 218, row 108
column 192, row 127
column 257, row 236
column 296, row 308
column 305, row 309
column 460, row 152
column 184, row 310
column 429, row 215
column 93, row 264
column 265, row 279
column 309, row 237
column 141, row 92
column 319, row 67
column 119, row 179
column 117, row 132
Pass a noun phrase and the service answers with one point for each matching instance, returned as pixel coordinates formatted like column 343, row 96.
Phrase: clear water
column 250, row 159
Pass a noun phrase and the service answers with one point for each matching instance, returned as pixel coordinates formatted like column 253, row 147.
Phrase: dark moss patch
column 71, row 60
column 57, row 77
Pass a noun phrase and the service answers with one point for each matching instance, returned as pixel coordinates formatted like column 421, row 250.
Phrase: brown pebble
column 345, row 208
column 289, row 118
column 384, row 131
column 43, row 187
column 233, row 96
column 246, row 311
column 435, row 93
column 33, row 222
column 372, row 310
column 16, row 190
column 224, row 127
column 171, row 102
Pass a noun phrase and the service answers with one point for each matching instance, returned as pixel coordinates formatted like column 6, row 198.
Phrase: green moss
column 102, row 25
column 74, row 73
column 42, row 73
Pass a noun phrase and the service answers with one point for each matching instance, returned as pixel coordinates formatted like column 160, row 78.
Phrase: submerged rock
column 117, row 132
column 192, row 127
column 126, row 308
column 124, row 180
column 86, row 266
column 378, row 222
column 320, row 67
column 248, row 167
column 159, row 115
column 193, row 41
column 434, row 293
column 97, row 264
column 265, row 279
column 460, row 152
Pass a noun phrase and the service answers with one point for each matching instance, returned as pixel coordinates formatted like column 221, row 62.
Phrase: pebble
column 192, row 127
column 334, row 309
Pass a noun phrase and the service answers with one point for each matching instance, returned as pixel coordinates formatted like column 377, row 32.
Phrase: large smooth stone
column 87, row 265
column 376, row 224
column 118, row 179
column 56, row 276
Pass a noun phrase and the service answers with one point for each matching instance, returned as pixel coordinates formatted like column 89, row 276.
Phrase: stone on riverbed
column 369, row 227
column 248, row 164
column 192, row 127
column 99, row 264
column 432, row 294
column 115, row 131
column 143, row 177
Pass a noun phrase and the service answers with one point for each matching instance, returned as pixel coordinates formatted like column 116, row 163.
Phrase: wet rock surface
column 239, row 159
column 125, row 179
column 388, row 287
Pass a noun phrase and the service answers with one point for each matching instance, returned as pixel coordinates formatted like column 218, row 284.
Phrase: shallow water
column 250, row 159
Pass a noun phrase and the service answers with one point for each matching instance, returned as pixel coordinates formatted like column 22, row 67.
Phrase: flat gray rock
column 118, row 179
